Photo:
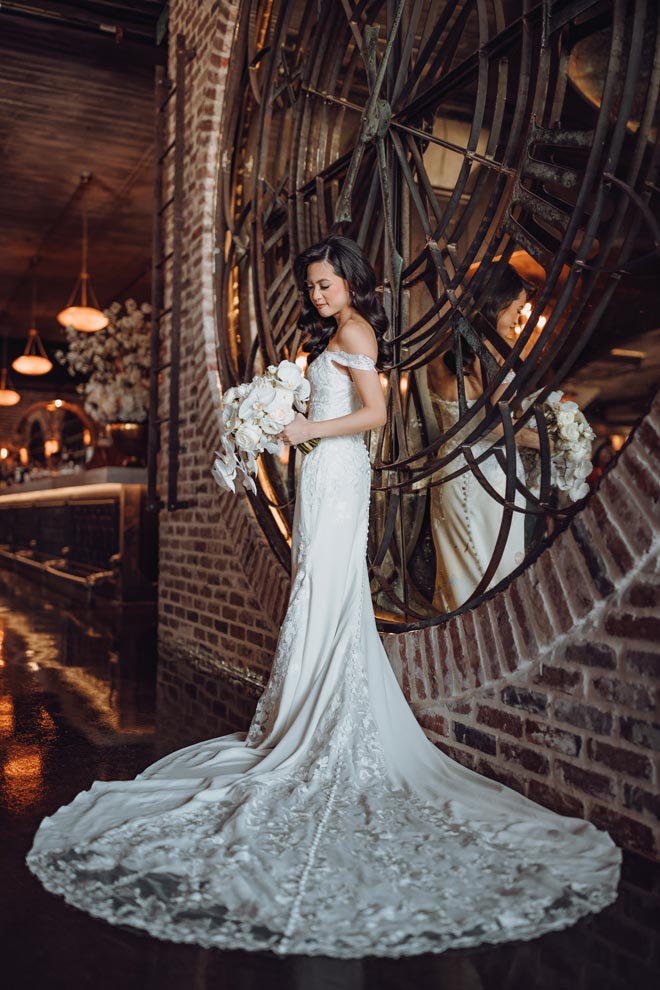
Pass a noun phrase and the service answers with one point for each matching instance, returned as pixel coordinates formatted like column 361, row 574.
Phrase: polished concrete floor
column 77, row 703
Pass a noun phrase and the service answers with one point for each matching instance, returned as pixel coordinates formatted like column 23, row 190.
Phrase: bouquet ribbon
column 307, row 446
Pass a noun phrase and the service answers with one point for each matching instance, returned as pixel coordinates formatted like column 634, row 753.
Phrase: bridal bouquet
column 252, row 415
column 571, row 438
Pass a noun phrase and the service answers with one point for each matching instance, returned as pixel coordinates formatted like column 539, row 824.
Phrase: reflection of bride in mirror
column 465, row 519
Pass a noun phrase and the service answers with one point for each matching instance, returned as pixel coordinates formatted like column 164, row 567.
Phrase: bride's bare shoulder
column 357, row 337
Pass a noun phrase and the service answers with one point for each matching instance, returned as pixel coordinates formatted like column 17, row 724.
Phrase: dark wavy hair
column 499, row 296
column 349, row 262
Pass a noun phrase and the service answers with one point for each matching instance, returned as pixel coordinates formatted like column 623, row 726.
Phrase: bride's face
column 328, row 291
column 507, row 321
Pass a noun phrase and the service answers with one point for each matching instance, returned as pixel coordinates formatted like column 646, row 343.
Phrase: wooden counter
column 88, row 533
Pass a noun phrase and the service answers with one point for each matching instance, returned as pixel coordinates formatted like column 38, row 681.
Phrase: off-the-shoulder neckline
column 349, row 354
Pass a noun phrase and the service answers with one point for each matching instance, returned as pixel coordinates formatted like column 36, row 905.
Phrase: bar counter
column 87, row 533
column 97, row 476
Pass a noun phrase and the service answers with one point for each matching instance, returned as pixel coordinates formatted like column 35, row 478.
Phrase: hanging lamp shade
column 8, row 395
column 33, row 360
column 87, row 319
column 77, row 313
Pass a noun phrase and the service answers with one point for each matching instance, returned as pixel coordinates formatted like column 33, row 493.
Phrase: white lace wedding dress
column 466, row 519
column 334, row 827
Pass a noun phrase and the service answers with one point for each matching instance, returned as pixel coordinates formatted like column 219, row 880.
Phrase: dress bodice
column 448, row 413
column 333, row 391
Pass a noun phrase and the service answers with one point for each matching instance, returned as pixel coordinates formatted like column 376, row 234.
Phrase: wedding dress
column 334, row 827
column 466, row 520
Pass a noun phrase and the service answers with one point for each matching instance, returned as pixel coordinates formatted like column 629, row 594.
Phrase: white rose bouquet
column 572, row 438
column 252, row 415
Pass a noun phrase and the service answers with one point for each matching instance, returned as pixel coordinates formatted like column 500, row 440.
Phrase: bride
column 465, row 518
column 334, row 827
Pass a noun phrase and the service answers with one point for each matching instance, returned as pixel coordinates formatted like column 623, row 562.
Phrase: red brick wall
column 550, row 686
column 221, row 591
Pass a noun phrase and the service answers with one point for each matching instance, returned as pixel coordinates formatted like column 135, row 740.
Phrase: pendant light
column 8, row 395
column 80, row 316
column 34, row 360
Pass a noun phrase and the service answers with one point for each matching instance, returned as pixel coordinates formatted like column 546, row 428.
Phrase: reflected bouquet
column 571, row 438
column 252, row 415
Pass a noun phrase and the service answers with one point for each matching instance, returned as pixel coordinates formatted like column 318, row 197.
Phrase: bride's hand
column 297, row 431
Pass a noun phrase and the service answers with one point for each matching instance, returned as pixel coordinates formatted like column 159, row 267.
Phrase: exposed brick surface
column 593, row 560
column 627, row 626
column 624, row 830
column 639, row 662
column 639, row 799
column 558, row 677
column 626, row 761
column 550, row 737
column 630, row 695
column 527, row 758
column 496, row 718
column 523, row 698
column 591, row 655
column 595, row 784
column 645, row 734
column 565, row 804
column 584, row 716
column 475, row 738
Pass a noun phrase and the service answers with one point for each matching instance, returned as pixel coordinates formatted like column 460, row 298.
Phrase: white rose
column 230, row 397
column 276, row 419
column 248, row 436
column 570, row 431
column 564, row 417
column 289, row 374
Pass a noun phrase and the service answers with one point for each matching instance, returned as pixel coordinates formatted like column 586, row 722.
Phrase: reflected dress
column 334, row 826
column 466, row 520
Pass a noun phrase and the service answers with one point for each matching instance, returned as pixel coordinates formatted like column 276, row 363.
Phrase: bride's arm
column 373, row 412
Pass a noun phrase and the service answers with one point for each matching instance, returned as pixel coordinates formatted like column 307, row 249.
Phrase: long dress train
column 334, row 826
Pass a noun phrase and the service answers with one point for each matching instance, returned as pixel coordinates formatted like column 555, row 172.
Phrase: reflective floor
column 77, row 704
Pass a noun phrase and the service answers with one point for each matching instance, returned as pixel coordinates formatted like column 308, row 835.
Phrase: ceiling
column 76, row 96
